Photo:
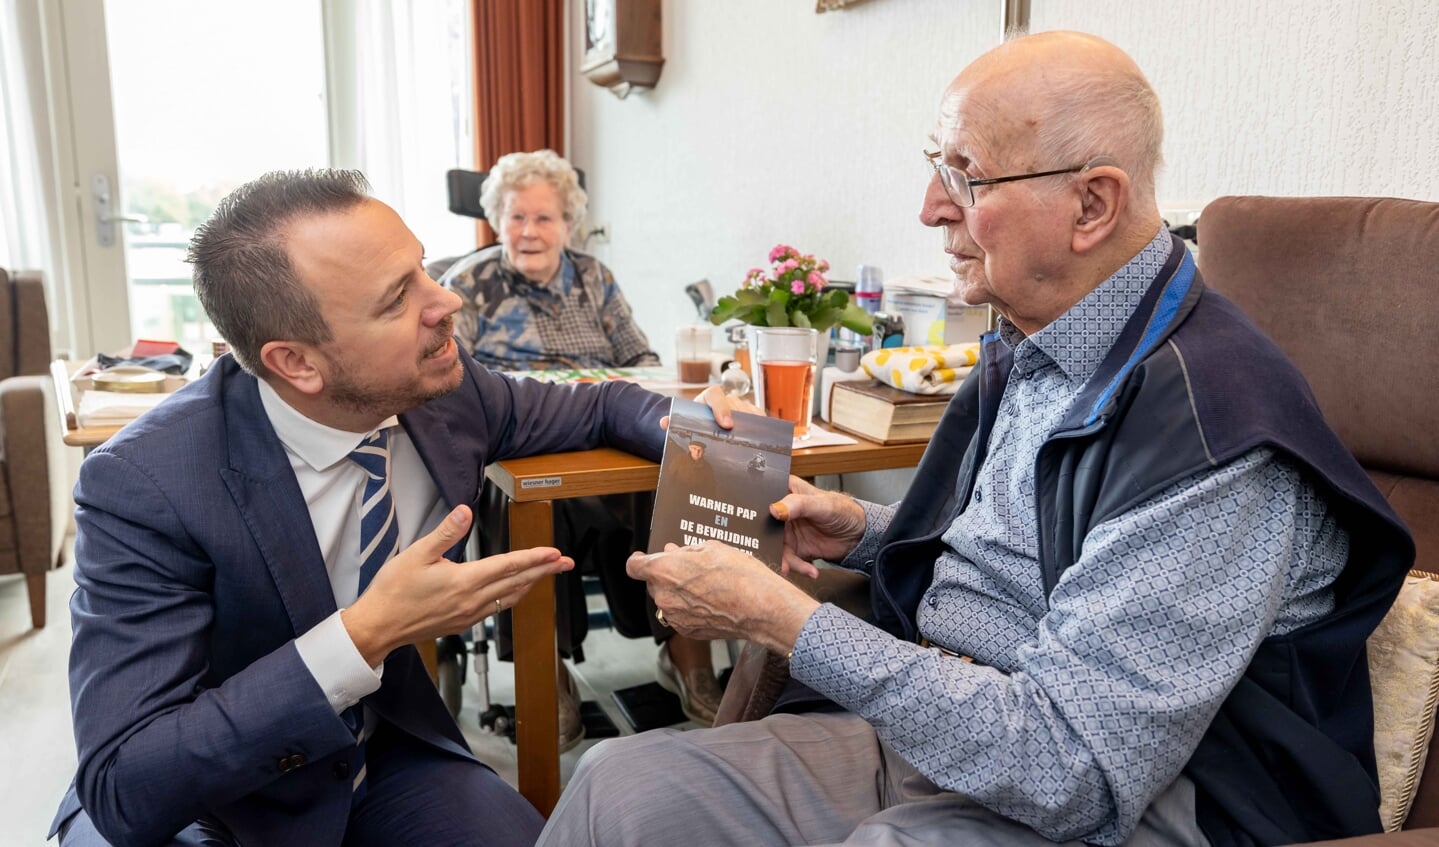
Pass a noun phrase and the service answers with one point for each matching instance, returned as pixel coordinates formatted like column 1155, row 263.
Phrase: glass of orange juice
column 784, row 364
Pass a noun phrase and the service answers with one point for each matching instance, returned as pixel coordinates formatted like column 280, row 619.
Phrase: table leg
column 537, row 723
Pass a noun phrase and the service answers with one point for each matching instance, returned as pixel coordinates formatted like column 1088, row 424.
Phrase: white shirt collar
column 314, row 443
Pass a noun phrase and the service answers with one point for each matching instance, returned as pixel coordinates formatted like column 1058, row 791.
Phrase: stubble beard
column 358, row 395
column 355, row 394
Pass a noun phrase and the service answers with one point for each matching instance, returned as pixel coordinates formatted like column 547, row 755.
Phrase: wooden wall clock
column 622, row 44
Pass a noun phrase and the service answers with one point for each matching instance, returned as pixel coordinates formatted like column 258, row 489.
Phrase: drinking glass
column 692, row 352
column 784, row 360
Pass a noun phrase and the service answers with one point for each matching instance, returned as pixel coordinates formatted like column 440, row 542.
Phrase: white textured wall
column 1290, row 97
column 771, row 123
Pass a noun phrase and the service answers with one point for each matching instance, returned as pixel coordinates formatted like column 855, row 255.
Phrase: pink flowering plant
column 792, row 292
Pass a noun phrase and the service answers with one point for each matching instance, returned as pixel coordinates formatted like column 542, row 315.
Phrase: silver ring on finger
column 499, row 606
column 660, row 616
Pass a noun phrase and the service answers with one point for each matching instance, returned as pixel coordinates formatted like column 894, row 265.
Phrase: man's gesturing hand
column 421, row 595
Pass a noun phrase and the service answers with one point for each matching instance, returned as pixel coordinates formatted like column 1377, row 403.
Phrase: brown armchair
column 1347, row 288
column 34, row 502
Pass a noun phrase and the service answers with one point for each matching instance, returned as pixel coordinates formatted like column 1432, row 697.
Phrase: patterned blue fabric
column 379, row 534
column 1082, row 706
column 577, row 320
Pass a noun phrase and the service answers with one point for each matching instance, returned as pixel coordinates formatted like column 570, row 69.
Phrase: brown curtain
column 519, row 81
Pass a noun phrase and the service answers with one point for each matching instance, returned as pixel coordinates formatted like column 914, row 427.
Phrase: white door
column 173, row 103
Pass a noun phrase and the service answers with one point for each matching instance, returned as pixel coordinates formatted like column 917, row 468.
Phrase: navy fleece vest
column 1191, row 384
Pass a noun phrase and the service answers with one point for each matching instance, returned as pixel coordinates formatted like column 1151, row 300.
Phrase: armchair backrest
column 25, row 323
column 1348, row 289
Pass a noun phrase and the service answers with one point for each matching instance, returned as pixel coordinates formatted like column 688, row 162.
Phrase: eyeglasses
column 960, row 187
column 541, row 221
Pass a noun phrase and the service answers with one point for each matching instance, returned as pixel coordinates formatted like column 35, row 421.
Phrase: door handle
column 105, row 218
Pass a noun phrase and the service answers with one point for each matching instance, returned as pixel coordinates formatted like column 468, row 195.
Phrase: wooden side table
column 532, row 484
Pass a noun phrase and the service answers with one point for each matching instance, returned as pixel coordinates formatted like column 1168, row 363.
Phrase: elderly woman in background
column 532, row 302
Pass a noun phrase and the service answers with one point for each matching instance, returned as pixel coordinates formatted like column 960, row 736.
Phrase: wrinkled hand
column 818, row 524
column 712, row 590
column 421, row 595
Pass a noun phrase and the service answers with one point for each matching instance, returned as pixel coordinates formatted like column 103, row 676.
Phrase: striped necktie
column 379, row 534
column 379, row 540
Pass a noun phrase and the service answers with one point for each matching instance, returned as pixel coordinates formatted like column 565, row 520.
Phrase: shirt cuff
column 336, row 664
column 876, row 521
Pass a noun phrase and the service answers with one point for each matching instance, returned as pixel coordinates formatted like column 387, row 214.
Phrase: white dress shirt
column 333, row 487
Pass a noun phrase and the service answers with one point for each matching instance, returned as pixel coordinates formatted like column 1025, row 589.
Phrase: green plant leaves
column 855, row 319
column 782, row 308
column 772, row 301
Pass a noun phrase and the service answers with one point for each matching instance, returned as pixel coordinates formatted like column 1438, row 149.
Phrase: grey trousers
column 794, row 779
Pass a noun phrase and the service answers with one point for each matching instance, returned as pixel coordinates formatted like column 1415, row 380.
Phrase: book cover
column 885, row 414
column 718, row 483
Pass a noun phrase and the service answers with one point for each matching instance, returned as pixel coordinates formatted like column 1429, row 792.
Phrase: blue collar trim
column 1164, row 314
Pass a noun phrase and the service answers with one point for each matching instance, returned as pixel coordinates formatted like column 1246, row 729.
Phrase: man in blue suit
column 228, row 678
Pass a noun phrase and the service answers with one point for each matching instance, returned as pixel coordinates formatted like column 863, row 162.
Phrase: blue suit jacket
column 197, row 568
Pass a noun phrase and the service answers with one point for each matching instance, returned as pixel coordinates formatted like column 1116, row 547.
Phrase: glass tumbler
column 692, row 352
column 784, row 364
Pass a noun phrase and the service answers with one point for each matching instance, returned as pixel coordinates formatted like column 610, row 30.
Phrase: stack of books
column 885, row 414
column 113, row 408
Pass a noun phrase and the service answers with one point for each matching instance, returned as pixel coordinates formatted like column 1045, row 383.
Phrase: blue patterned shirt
column 1082, row 707
column 577, row 320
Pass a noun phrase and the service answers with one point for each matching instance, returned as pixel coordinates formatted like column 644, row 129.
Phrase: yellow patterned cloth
column 931, row 369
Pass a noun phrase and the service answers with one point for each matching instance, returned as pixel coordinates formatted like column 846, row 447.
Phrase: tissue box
column 929, row 317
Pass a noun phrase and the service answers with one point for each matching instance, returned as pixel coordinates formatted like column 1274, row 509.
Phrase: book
column 112, row 408
column 145, row 347
column 883, row 413
column 718, row 483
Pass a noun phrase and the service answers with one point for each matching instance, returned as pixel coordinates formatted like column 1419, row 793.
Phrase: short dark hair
column 242, row 270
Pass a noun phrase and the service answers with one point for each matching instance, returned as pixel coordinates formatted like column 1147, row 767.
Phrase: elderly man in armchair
column 1132, row 519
